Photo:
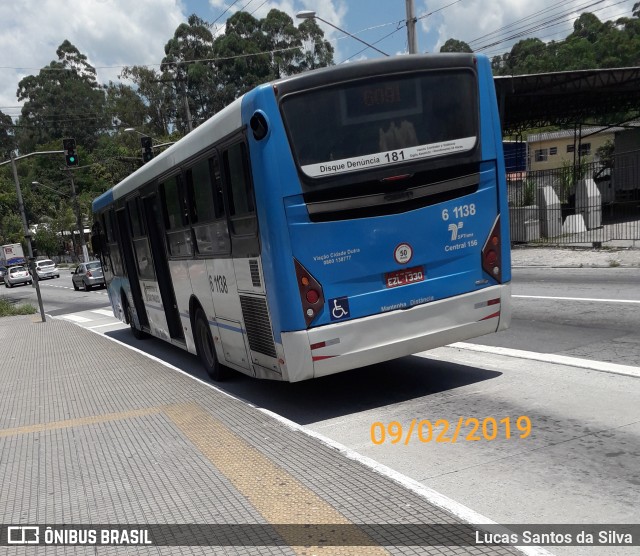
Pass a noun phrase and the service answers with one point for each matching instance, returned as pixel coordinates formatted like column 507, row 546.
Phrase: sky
column 117, row 33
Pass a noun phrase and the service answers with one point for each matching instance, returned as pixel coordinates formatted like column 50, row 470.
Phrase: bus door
column 152, row 218
column 131, row 267
column 245, row 250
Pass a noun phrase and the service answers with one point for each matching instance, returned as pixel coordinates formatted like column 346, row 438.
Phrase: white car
column 46, row 268
column 17, row 275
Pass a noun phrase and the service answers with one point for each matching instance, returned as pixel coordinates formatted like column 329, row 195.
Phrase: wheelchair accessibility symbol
column 339, row 308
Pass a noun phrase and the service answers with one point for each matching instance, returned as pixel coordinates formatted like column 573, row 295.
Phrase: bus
column 319, row 223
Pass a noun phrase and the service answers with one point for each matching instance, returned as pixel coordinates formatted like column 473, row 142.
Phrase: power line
column 374, row 43
column 224, row 12
column 538, row 25
column 566, row 30
column 524, row 30
column 438, row 10
column 545, row 10
column 222, row 26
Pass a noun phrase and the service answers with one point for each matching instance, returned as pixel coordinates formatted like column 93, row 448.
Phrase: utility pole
column 27, row 235
column 79, row 224
column 187, row 110
column 412, row 39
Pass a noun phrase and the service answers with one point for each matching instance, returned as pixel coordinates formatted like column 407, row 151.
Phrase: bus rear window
column 382, row 121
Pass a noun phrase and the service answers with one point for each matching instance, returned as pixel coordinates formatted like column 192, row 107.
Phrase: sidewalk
column 92, row 432
column 574, row 257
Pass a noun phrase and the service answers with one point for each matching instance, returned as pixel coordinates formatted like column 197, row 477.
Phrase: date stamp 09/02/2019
column 469, row 429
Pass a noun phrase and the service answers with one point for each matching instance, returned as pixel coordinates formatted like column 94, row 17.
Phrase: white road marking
column 103, row 325
column 578, row 299
column 602, row 366
column 105, row 312
column 75, row 318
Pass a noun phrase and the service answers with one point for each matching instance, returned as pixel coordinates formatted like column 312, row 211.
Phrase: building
column 555, row 149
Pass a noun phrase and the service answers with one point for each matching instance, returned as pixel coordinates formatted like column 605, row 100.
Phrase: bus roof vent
column 255, row 273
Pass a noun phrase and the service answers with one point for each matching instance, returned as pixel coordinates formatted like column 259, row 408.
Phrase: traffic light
column 147, row 149
column 70, row 154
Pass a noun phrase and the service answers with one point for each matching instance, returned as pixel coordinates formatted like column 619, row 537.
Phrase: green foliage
column 453, row 45
column 199, row 75
column 528, row 193
column 10, row 309
column 567, row 178
column 605, row 154
column 11, row 229
column 592, row 44
column 46, row 241
column 63, row 100
column 7, row 139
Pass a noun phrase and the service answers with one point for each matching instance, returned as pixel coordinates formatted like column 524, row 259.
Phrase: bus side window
column 140, row 241
column 105, row 256
column 242, row 213
column 205, row 194
column 114, row 249
column 176, row 218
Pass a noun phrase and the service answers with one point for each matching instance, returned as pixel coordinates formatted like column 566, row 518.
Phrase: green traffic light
column 72, row 159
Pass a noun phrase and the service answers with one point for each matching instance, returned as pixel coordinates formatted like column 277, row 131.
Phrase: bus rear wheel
column 137, row 333
column 205, row 347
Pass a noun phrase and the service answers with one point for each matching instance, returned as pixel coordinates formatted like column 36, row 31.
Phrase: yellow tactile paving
column 91, row 420
column 273, row 492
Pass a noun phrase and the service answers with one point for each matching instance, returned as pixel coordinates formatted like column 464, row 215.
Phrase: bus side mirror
column 259, row 125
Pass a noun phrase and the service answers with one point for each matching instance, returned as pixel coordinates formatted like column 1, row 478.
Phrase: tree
column 587, row 26
column 7, row 138
column 64, row 99
column 188, row 64
column 526, row 56
column 11, row 228
column 243, row 58
column 454, row 45
column 46, row 241
column 158, row 96
column 255, row 51
column 318, row 52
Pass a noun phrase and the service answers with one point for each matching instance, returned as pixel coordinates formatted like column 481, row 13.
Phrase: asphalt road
column 599, row 317
column 58, row 296
column 578, row 463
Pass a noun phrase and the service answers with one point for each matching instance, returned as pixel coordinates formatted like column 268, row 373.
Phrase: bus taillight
column 491, row 253
column 310, row 293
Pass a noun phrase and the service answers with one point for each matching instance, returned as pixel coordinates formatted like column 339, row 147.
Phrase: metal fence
column 594, row 203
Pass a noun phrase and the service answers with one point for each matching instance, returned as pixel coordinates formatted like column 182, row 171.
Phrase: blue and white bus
column 322, row 222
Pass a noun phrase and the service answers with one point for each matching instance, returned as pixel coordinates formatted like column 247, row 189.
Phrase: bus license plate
column 404, row 277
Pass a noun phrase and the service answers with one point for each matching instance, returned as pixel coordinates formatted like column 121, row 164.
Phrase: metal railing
column 589, row 203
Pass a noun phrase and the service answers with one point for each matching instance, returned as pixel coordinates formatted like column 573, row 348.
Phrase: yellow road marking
column 91, row 420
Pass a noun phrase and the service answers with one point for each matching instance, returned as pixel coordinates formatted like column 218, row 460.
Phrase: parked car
column 46, row 268
column 3, row 271
column 88, row 275
column 17, row 275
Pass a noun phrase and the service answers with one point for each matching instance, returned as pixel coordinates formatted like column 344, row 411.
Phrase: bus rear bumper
column 351, row 344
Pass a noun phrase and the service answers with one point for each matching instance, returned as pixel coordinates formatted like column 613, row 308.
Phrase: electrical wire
column 547, row 23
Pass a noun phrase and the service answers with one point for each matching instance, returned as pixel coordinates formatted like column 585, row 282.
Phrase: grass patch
column 9, row 309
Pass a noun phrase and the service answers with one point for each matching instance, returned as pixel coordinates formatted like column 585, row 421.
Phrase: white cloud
column 472, row 19
column 115, row 33
column 111, row 33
